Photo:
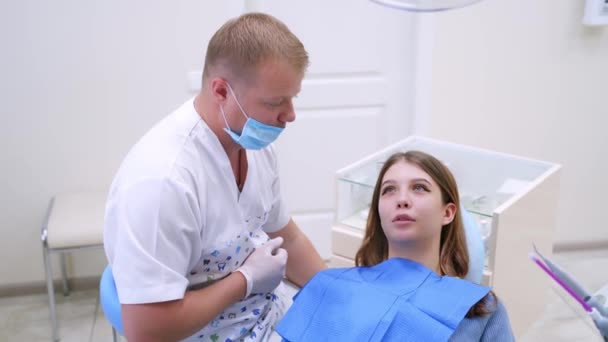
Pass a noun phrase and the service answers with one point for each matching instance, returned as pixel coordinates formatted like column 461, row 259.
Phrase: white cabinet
column 514, row 199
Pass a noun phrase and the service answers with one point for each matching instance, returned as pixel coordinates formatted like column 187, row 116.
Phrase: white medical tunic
column 175, row 220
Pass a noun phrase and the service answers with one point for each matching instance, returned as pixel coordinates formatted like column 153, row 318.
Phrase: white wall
column 526, row 77
column 81, row 81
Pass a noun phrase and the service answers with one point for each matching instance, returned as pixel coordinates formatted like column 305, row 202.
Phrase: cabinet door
column 355, row 99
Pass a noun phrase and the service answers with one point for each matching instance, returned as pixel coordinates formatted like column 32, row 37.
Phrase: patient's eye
column 420, row 187
column 388, row 189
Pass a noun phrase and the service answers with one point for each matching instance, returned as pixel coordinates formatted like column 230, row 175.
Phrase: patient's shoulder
column 494, row 326
column 335, row 272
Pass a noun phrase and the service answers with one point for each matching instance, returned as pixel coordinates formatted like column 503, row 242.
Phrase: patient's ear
column 449, row 211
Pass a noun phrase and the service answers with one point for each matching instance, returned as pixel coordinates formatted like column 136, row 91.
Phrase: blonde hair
column 453, row 253
column 243, row 43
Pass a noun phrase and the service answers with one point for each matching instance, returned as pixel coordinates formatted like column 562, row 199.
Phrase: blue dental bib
column 397, row 300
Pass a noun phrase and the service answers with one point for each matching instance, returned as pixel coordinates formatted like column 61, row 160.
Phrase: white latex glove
column 265, row 267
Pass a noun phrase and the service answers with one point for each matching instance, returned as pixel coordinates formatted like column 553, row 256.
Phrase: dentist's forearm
column 178, row 319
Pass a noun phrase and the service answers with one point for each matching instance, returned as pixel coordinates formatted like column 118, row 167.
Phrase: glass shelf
column 486, row 180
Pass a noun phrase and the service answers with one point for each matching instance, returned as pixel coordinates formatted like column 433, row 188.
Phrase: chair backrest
column 109, row 300
column 475, row 246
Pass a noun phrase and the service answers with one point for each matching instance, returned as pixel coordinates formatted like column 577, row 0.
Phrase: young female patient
column 407, row 285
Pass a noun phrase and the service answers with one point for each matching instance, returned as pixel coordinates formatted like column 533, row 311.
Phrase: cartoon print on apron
column 250, row 319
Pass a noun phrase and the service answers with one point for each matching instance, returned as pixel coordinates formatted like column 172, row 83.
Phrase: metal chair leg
column 114, row 335
column 51, row 291
column 64, row 275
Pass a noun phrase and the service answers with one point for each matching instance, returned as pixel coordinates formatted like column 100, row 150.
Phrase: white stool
column 74, row 221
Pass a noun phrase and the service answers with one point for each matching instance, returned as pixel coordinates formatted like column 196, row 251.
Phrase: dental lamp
column 425, row 5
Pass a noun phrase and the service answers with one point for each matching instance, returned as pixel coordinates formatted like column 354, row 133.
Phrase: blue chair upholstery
column 109, row 300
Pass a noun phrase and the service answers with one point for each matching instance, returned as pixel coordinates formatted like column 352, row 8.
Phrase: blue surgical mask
column 255, row 135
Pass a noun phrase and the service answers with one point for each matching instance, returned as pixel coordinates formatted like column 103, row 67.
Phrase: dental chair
column 475, row 246
column 111, row 305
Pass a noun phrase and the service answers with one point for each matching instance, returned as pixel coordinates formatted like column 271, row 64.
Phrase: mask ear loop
column 224, row 117
column 237, row 101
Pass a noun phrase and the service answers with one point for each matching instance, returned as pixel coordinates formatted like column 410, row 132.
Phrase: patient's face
column 410, row 207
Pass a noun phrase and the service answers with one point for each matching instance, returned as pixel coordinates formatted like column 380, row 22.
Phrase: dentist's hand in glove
column 265, row 267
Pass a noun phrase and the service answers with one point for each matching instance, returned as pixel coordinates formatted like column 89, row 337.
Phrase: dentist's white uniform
column 175, row 220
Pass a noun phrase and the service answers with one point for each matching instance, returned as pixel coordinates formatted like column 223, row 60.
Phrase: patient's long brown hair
column 453, row 253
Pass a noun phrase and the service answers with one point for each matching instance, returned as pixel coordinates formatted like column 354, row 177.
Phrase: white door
column 355, row 99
